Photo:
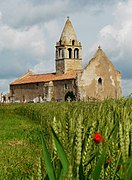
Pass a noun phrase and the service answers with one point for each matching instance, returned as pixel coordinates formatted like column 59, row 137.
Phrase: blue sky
column 29, row 30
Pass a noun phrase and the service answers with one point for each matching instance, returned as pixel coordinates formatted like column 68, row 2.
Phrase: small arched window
column 76, row 53
column 73, row 42
column 60, row 53
column 69, row 53
column 65, row 86
column 100, row 81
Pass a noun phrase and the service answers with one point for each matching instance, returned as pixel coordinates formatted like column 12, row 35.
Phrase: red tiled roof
column 34, row 78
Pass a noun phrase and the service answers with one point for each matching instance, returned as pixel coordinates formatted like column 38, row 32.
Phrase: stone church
column 98, row 80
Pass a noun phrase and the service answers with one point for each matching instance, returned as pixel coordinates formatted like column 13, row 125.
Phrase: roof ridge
column 44, row 74
column 45, row 78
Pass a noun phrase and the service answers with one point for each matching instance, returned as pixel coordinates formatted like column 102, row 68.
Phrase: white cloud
column 52, row 27
column 116, row 38
column 43, row 67
column 120, row 30
column 20, row 49
column 31, row 40
column 27, row 13
column 123, row 11
column 19, row 13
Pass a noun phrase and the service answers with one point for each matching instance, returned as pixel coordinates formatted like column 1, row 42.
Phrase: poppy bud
column 119, row 167
column 108, row 161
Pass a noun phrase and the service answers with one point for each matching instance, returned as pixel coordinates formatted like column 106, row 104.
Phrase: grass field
column 20, row 147
column 66, row 133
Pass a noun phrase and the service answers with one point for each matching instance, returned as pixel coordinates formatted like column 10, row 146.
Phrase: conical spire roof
column 68, row 32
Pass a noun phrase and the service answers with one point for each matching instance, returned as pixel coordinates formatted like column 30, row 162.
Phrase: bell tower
column 68, row 50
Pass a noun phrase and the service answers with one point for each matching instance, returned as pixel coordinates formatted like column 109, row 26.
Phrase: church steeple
column 68, row 50
column 68, row 32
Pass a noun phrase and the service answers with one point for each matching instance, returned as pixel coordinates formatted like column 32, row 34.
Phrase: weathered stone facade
column 98, row 80
column 51, row 88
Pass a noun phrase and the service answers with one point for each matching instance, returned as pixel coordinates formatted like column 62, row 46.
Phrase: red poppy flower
column 98, row 138
column 108, row 161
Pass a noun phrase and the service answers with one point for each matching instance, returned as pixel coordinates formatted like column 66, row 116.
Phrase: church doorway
column 70, row 96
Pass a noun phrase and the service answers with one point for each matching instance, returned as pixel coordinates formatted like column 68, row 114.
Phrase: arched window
column 73, row 42
column 76, row 53
column 69, row 53
column 65, row 86
column 70, row 96
column 100, row 81
column 60, row 53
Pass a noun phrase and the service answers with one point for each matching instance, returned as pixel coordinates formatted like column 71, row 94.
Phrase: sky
column 29, row 30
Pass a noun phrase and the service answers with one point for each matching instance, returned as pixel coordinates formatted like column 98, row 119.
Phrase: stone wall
column 26, row 92
column 61, row 88
column 72, row 64
column 60, row 66
column 99, row 79
column 49, row 91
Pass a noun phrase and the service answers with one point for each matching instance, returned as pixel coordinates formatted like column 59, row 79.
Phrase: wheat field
column 75, row 140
